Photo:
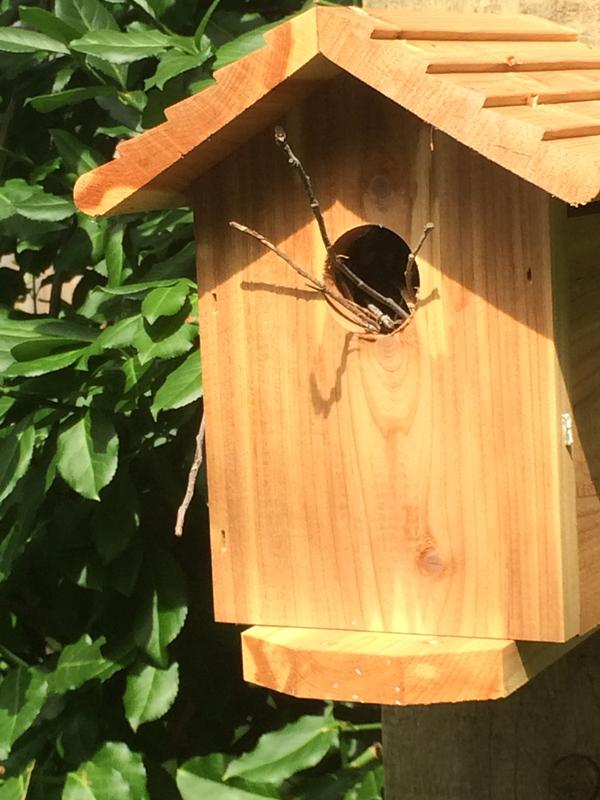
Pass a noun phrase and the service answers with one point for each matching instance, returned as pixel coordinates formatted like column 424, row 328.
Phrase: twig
column 12, row 658
column 370, row 321
column 410, row 265
column 191, row 481
column 281, row 140
column 386, row 301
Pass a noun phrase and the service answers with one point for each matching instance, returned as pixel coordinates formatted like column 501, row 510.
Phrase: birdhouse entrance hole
column 378, row 258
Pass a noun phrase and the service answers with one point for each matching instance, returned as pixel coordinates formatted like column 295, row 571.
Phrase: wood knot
column 431, row 563
column 380, row 188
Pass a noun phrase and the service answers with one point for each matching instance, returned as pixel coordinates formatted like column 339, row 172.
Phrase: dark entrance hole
column 379, row 257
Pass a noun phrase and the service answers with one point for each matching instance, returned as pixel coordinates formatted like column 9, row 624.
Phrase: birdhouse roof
column 520, row 90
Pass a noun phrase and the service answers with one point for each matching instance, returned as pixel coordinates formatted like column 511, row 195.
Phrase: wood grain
column 391, row 669
column 531, row 88
column 408, row 484
column 413, row 24
column 398, row 71
column 542, row 743
column 556, row 121
column 441, row 57
column 156, row 169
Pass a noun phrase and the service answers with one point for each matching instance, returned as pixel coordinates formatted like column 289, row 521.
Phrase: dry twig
column 191, row 481
column 411, row 297
column 369, row 321
column 281, row 139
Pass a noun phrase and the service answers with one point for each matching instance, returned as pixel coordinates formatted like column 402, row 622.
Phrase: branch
column 369, row 320
column 191, row 481
column 410, row 265
column 281, row 140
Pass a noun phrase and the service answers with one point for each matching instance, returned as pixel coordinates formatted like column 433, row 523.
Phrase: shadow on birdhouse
column 403, row 436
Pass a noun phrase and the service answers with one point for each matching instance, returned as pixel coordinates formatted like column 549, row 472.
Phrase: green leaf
column 17, row 788
column 164, row 301
column 40, row 172
column 44, row 206
column 173, row 63
column 167, row 337
column 118, row 73
column 150, row 693
column 95, row 230
column 44, row 103
column 240, row 47
column 23, row 692
column 31, row 201
column 115, row 521
column 6, row 403
column 122, row 48
column 21, row 40
column 79, row 663
column 115, row 256
column 280, row 754
column 114, row 773
column 85, row 15
column 47, row 23
column 121, row 334
column 27, row 497
column 145, row 6
column 202, row 777
column 88, row 454
column 40, row 366
column 201, row 29
column 181, row 387
column 137, row 288
column 369, row 786
column 16, row 450
column 76, row 156
column 162, row 607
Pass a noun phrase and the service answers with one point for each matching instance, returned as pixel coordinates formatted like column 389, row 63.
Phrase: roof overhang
column 519, row 90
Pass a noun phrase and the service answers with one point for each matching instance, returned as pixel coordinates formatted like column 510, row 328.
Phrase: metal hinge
column 567, row 426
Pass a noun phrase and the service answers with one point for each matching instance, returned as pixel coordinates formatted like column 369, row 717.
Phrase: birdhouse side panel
column 407, row 482
column 578, row 240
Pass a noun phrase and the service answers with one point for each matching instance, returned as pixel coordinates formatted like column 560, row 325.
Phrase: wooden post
column 542, row 743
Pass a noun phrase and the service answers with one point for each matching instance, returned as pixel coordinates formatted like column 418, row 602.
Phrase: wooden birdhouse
column 384, row 476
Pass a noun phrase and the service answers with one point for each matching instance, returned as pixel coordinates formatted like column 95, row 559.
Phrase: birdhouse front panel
column 430, row 466
column 415, row 481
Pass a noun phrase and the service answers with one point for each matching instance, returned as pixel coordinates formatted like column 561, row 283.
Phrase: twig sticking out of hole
column 281, row 140
column 411, row 297
column 371, row 322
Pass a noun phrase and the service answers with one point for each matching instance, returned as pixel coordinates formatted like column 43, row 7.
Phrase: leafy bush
column 105, row 695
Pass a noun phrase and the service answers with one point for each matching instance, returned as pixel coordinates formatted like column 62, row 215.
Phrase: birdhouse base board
column 390, row 668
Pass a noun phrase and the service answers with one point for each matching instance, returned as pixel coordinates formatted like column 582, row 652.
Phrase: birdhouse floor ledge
column 390, row 668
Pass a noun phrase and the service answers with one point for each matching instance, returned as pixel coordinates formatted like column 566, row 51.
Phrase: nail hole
column 529, row 275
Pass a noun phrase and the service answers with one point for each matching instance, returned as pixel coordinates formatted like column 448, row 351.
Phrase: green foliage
column 114, row 682
column 277, row 756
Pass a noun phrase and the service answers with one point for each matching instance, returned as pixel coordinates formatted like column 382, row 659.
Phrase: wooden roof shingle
column 520, row 90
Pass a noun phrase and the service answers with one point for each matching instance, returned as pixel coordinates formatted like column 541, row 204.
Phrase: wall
column 583, row 15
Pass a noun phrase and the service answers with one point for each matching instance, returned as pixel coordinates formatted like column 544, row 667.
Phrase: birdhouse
column 403, row 478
